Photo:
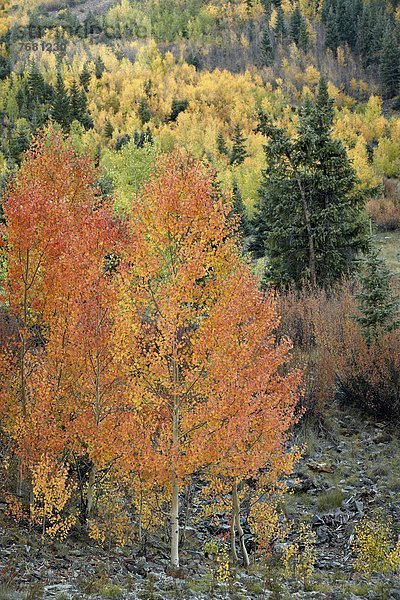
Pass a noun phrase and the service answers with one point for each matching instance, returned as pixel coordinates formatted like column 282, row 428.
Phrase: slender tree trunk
column 140, row 517
column 175, row 526
column 90, row 491
column 175, row 486
column 234, row 555
column 236, row 507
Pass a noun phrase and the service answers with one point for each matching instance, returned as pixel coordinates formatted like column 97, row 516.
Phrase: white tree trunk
column 175, row 487
column 236, row 505
column 175, row 526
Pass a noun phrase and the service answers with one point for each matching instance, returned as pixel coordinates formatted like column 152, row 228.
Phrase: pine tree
column 239, row 209
column 60, row 108
column 36, row 85
column 19, row 143
column 303, row 36
column 221, row 144
column 148, row 136
column 177, row 107
column 280, row 30
column 390, row 65
column 121, row 141
column 85, row 77
column 238, row 153
column 108, row 130
column 309, row 222
column 341, row 20
column 378, row 306
column 144, row 111
column 331, row 33
column 77, row 102
column 295, row 24
column 99, row 67
column 267, row 48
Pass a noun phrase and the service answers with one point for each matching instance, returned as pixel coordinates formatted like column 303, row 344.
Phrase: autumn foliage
column 144, row 350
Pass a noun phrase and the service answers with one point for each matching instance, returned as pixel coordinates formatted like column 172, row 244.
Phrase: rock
column 303, row 484
column 382, row 438
column 57, row 589
column 320, row 467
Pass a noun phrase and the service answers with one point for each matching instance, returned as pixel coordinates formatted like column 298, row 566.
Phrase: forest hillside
column 199, row 299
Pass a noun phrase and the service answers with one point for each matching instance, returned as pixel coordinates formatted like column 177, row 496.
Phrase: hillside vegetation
column 199, row 284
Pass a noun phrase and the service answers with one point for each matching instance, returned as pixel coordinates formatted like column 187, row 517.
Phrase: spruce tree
column 221, row 144
column 99, row 67
column 36, row 85
column 148, row 136
column 280, row 29
column 238, row 153
column 239, row 209
column 303, row 36
column 121, row 141
column 177, row 107
column 85, row 77
column 295, row 24
column 19, row 143
column 390, row 65
column 60, row 108
column 77, row 102
column 144, row 111
column 378, row 306
column 309, row 222
column 108, row 130
column 331, row 33
column 267, row 49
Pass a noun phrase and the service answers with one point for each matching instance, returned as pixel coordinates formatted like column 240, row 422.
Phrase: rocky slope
column 350, row 468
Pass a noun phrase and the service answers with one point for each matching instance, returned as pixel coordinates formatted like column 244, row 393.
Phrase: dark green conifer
column 60, row 107
column 108, row 130
column 238, row 153
column 378, row 305
column 221, row 144
column 144, row 111
column 390, row 65
column 310, row 221
column 85, row 77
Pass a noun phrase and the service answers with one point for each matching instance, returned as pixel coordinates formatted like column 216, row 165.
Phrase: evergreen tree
column 5, row 67
column 85, row 77
column 60, row 108
column 144, row 111
column 390, row 65
column 108, row 130
column 121, row 141
column 238, row 153
column 303, row 36
column 221, row 144
column 341, row 20
column 239, row 209
column 77, row 102
column 177, row 107
column 331, row 33
column 309, row 221
column 267, row 48
column 19, row 143
column 36, row 85
column 99, row 67
column 378, row 306
column 148, row 136
column 280, row 29
column 295, row 24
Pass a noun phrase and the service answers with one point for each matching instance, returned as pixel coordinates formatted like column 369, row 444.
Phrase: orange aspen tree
column 60, row 285
column 36, row 242
column 205, row 363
